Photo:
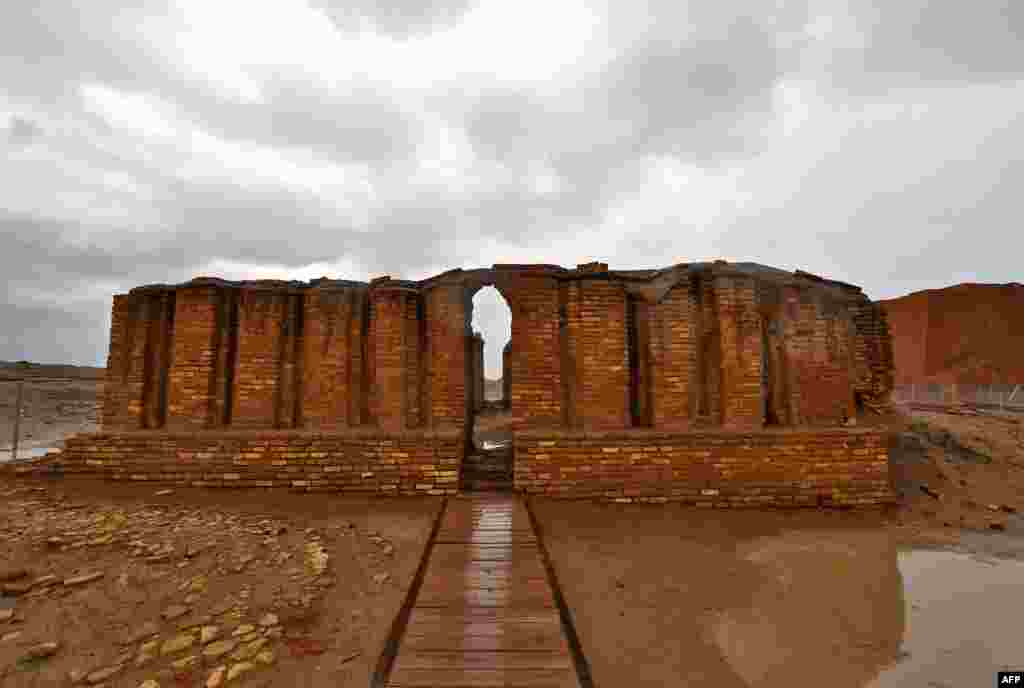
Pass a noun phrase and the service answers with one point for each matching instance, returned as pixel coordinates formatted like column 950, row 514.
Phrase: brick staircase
column 487, row 470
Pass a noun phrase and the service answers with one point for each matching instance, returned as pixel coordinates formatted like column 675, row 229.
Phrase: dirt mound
column 968, row 333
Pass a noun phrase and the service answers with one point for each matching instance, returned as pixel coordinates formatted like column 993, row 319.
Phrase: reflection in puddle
column 963, row 617
column 26, row 453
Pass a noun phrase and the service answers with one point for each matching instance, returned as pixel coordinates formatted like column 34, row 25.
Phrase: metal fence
column 1004, row 396
column 38, row 413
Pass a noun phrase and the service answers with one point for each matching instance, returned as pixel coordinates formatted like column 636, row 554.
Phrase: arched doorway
column 489, row 436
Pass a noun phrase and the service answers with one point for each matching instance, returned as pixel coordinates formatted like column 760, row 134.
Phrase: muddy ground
column 132, row 586
column 660, row 595
column 668, row 595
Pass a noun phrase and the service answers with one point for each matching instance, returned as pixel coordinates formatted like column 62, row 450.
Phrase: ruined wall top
column 649, row 284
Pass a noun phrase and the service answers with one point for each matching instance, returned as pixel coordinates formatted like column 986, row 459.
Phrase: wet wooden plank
column 484, row 659
column 486, row 637
column 484, row 678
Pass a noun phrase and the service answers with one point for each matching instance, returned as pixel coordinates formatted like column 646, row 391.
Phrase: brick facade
column 734, row 350
column 764, row 468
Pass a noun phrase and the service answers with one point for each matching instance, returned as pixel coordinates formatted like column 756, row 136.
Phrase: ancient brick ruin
column 712, row 383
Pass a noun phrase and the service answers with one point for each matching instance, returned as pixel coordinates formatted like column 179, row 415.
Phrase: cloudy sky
column 873, row 141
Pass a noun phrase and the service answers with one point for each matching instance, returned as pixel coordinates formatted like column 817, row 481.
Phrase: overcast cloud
column 873, row 141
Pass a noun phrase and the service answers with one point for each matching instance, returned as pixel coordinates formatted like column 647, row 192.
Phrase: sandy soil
column 319, row 578
column 51, row 412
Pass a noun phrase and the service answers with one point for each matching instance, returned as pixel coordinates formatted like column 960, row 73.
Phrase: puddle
column 315, row 558
column 963, row 615
column 7, row 602
column 26, row 453
column 494, row 445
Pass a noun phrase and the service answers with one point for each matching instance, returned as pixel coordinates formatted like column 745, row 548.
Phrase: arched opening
column 492, row 331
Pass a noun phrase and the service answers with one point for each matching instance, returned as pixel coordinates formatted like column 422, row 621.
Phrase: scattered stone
column 216, row 677
column 44, row 581
column 149, row 683
column 41, row 651
column 997, row 526
column 6, row 615
column 192, row 599
column 76, row 675
column 237, row 670
column 208, row 634
column 992, row 507
column 101, row 675
column 930, row 492
column 163, row 493
column 1007, row 509
column 251, row 637
column 275, row 632
column 381, row 578
column 84, row 578
column 250, row 649
column 219, row 648
column 174, row 612
column 177, row 644
column 16, row 588
column 266, row 657
column 7, row 637
column 203, row 620
column 54, row 542
column 243, row 630
column 185, row 663
column 269, row 619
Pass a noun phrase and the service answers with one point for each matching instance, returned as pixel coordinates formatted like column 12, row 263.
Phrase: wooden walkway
column 485, row 614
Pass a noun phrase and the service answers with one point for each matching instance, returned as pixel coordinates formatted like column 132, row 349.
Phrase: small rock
column 16, row 588
column 250, row 649
column 163, row 493
column 381, row 578
column 266, row 657
column 192, row 599
column 208, row 634
column 54, row 542
column 76, row 675
column 101, row 675
column 997, row 526
column 992, row 507
column 84, row 578
column 219, row 648
column 243, row 629
column 275, row 632
column 44, row 581
column 203, row 620
column 149, row 683
column 1007, row 509
column 42, row 650
column 174, row 612
column 249, row 637
column 216, row 677
column 151, row 648
column 177, row 644
column 237, row 670
column 269, row 619
column 185, row 663
column 6, row 614
column 7, row 637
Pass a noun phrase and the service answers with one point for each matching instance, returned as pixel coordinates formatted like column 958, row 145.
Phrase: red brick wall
column 413, row 462
column 191, row 390
column 780, row 468
column 333, row 371
column 386, row 330
column 446, row 355
column 596, row 328
column 535, row 357
column 675, row 380
column 116, row 395
column 257, row 380
column 413, row 341
column 740, row 335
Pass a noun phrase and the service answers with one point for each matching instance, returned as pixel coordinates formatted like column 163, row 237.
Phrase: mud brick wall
column 193, row 375
column 262, row 324
column 477, row 348
column 414, row 365
column 709, row 354
column 136, row 382
column 873, row 355
column 404, row 463
column 506, row 377
column 763, row 468
column 534, row 361
column 675, row 380
column 740, row 336
column 819, row 350
column 333, row 362
column 387, row 395
column 446, row 356
column 596, row 329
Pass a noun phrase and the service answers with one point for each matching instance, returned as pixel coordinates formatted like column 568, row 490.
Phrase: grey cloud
column 22, row 131
column 399, row 18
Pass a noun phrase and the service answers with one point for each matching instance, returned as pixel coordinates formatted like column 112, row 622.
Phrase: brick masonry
column 763, row 468
column 689, row 350
column 403, row 463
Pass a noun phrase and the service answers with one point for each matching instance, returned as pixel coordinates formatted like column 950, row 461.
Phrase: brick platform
column 764, row 468
column 358, row 461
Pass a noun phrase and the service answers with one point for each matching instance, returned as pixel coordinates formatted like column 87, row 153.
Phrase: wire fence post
column 17, row 419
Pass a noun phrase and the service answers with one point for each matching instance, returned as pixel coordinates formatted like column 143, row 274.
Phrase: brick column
column 191, row 386
column 333, row 371
column 673, row 351
column 387, row 397
column 740, row 333
column 446, row 355
column 261, row 315
column 534, row 364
